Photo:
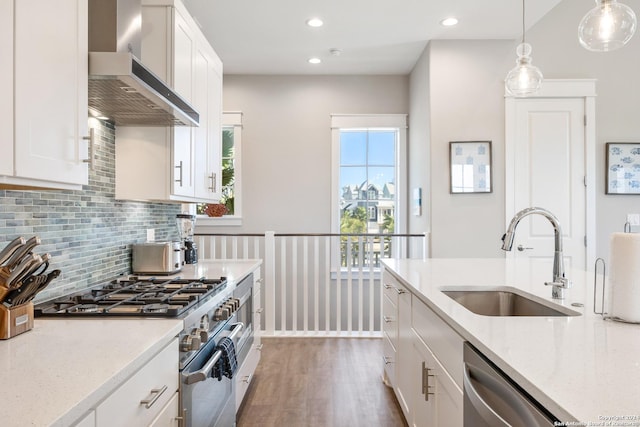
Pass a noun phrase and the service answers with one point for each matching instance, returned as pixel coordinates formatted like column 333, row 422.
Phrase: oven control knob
column 204, row 322
column 236, row 303
column 230, row 306
column 222, row 313
column 190, row 342
column 204, row 335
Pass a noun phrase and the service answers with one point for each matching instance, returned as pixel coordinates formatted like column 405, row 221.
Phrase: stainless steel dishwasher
column 492, row 399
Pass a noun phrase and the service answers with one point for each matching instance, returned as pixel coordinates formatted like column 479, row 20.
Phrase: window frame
column 369, row 122
column 231, row 119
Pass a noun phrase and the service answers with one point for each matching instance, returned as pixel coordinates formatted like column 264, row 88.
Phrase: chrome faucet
column 560, row 282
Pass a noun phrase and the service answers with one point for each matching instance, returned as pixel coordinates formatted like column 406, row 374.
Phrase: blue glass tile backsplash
column 88, row 233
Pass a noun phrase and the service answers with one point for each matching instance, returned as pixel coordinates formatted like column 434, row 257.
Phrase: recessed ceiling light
column 314, row 60
column 449, row 22
column 315, row 22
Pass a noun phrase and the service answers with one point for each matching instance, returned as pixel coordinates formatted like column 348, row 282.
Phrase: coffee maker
column 186, row 226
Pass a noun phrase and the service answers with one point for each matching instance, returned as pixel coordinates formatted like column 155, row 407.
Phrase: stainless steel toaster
column 156, row 258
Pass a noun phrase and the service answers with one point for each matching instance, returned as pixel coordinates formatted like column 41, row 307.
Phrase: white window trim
column 231, row 118
column 369, row 121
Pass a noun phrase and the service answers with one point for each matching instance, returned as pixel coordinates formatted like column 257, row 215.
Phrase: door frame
column 559, row 88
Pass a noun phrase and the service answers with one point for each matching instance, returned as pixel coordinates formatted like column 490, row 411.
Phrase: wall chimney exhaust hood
column 121, row 88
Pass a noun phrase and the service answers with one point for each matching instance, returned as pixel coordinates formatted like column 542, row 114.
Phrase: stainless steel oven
column 205, row 400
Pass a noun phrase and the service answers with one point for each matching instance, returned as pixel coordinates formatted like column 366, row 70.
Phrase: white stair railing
column 317, row 284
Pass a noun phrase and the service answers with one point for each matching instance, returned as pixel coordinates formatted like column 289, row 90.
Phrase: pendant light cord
column 522, row 21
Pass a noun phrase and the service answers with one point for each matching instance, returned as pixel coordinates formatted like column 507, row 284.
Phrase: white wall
column 557, row 52
column 418, row 154
column 465, row 93
column 286, row 140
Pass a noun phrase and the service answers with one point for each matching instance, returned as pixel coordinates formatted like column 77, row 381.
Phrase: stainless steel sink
column 505, row 302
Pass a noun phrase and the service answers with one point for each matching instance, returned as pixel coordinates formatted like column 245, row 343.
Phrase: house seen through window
column 367, row 199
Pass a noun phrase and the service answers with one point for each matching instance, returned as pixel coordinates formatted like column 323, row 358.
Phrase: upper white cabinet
column 45, row 93
column 180, row 164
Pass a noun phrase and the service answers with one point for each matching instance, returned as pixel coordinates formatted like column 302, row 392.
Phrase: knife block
column 15, row 320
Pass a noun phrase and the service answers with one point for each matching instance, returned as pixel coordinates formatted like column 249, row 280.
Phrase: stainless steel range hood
column 121, row 88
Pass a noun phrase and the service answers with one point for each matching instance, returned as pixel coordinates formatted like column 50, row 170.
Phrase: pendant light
column 525, row 78
column 608, row 26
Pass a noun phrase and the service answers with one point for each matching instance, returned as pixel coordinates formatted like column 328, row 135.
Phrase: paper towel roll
column 624, row 276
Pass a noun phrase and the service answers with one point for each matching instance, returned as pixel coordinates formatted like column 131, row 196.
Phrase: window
column 368, row 186
column 231, row 176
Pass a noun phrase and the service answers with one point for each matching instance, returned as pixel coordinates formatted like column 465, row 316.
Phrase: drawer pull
column 259, row 311
column 387, row 319
column 387, row 286
column 155, row 394
column 246, row 379
column 425, row 382
column 259, row 347
column 400, row 291
column 387, row 360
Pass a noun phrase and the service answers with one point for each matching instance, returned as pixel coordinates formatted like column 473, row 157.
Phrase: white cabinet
column 437, row 399
column 390, row 332
column 88, row 420
column 246, row 371
column 404, row 356
column 144, row 397
column 6, row 86
column 390, row 328
column 169, row 416
column 45, row 96
column 180, row 164
column 427, row 354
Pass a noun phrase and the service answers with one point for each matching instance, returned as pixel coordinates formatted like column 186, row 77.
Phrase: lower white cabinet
column 404, row 355
column 149, row 397
column 88, row 420
column 427, row 361
column 437, row 399
column 168, row 417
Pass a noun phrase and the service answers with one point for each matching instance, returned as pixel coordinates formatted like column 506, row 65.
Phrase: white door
column 547, row 166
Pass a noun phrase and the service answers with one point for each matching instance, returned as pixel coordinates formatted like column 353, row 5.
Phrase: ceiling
column 374, row 36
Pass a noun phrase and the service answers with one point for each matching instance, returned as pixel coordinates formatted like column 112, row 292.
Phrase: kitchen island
column 583, row 369
column 59, row 371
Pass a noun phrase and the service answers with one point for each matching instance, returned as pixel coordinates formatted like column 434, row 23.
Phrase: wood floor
column 320, row 382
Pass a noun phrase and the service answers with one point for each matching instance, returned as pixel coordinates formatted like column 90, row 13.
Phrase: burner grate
column 137, row 297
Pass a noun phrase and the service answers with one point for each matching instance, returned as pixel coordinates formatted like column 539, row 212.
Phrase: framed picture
column 470, row 167
column 623, row 168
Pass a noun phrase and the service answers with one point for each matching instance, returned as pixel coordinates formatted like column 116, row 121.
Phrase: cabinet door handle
column 179, row 180
column 246, row 379
column 259, row 311
column 154, row 395
column 259, row 347
column 92, row 148
column 214, row 182
column 400, row 291
column 387, row 319
column 387, row 286
column 387, row 360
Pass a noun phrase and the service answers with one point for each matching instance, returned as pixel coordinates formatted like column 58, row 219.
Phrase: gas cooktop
column 135, row 297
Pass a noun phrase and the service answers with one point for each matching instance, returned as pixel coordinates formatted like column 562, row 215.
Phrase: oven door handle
column 203, row 373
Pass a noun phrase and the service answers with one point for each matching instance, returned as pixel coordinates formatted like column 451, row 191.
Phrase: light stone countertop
column 63, row 367
column 581, row 368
